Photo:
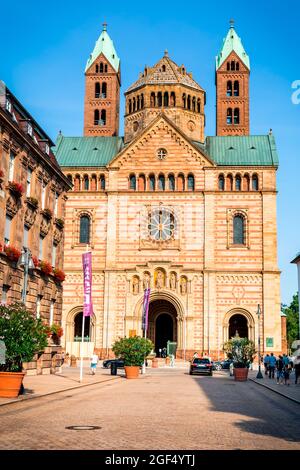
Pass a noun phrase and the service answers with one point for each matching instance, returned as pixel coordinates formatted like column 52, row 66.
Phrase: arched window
column 255, row 183
column 232, row 65
column 130, row 107
column 104, row 90
column 77, row 183
column 86, row 183
column 236, row 116
column 132, row 182
column 142, row 101
column 229, row 88
column 142, row 183
column 97, row 90
column 138, row 103
column 221, row 183
column 171, row 179
column 97, row 68
column 228, row 65
column 151, row 183
column 191, row 183
column 134, row 104
column 194, row 103
column 180, row 183
column 105, row 68
column 229, row 116
column 238, row 183
column 159, row 99
column 198, row 105
column 238, row 230
column 101, row 67
column 102, row 182
column 84, row 229
column 96, row 117
column 103, row 117
column 189, row 102
column 172, row 99
column 236, row 88
column 152, row 100
column 69, row 176
column 246, row 183
column 184, row 100
column 237, row 66
column 94, row 183
column 229, row 183
column 161, row 183
column 163, row 69
column 166, row 99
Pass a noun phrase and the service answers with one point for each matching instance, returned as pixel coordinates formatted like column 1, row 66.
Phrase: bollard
column 113, row 368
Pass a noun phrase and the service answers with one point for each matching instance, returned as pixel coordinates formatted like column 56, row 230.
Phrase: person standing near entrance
column 94, row 362
column 272, row 364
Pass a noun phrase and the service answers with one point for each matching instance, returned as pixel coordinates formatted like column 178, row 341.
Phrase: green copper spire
column 232, row 43
column 106, row 46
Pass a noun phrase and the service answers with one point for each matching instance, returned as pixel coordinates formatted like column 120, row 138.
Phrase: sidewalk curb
column 31, row 397
column 276, row 391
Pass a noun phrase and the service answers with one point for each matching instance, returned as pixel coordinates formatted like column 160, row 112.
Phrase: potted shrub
column 241, row 351
column 23, row 336
column 12, row 253
column 133, row 351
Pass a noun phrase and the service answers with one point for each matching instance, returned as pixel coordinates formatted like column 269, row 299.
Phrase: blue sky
column 45, row 45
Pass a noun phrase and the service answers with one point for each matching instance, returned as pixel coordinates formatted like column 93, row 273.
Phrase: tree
column 292, row 320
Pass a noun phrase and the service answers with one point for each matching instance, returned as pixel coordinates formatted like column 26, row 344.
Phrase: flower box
column 12, row 253
column 33, row 202
column 59, row 275
column 16, row 188
column 47, row 213
column 45, row 267
column 59, row 223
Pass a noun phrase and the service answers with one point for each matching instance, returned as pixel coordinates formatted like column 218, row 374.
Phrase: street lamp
column 25, row 261
column 259, row 374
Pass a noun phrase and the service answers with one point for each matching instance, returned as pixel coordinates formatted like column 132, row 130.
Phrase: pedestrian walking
column 266, row 363
column 279, row 370
column 286, row 373
column 272, row 364
column 94, row 362
column 297, row 368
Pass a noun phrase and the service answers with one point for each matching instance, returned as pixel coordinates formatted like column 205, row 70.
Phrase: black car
column 219, row 365
column 201, row 366
column 107, row 363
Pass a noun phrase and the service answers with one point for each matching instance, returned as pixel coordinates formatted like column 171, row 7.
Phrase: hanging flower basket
column 12, row 253
column 16, row 188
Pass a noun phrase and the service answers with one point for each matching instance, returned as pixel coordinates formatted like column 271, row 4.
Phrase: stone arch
column 70, row 324
column 246, row 314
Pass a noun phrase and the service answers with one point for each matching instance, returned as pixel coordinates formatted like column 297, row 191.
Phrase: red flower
column 35, row 261
column 46, row 267
column 12, row 253
column 1, row 173
column 16, row 188
column 59, row 274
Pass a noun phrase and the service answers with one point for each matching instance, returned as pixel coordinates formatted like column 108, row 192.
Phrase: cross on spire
column 231, row 22
column 104, row 26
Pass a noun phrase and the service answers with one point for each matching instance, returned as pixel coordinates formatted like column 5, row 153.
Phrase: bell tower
column 232, row 87
column 102, row 89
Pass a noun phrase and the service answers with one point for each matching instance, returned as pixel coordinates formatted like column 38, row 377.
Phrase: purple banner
column 146, row 309
column 87, row 284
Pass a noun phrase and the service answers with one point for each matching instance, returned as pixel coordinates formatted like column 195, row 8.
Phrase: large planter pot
column 10, row 384
column 132, row 372
column 155, row 363
column 240, row 374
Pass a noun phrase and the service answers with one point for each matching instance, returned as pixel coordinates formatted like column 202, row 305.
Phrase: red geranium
column 46, row 267
column 16, row 188
column 35, row 261
column 59, row 275
column 12, row 253
column 1, row 173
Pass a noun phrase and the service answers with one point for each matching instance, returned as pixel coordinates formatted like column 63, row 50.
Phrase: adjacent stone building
column 32, row 204
column 191, row 216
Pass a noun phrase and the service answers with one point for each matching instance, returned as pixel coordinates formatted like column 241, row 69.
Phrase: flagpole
column 146, row 306
column 82, row 336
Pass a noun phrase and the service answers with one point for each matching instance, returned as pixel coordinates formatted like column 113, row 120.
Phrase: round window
column 161, row 154
column 161, row 224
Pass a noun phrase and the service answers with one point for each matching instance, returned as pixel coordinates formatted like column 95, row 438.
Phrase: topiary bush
column 23, row 335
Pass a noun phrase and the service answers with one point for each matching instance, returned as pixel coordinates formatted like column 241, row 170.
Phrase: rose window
column 161, row 224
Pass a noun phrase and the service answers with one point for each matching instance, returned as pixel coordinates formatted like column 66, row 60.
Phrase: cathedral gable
column 161, row 146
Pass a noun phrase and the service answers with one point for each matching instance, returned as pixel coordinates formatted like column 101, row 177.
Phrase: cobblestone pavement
column 165, row 409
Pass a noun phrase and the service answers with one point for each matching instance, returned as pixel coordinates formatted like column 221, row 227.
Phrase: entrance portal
column 238, row 325
column 162, row 323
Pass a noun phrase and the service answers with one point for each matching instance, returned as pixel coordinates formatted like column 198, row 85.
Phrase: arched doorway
column 162, row 323
column 238, row 325
column 78, row 327
column 73, row 333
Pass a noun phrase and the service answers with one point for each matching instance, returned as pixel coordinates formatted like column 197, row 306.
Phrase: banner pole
column 82, row 336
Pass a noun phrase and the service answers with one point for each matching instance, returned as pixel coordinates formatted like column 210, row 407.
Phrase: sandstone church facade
column 192, row 217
